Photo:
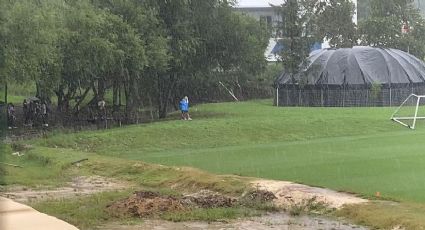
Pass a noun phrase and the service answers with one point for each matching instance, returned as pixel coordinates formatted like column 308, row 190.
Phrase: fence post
column 367, row 97
column 277, row 96
column 287, row 97
column 299, row 97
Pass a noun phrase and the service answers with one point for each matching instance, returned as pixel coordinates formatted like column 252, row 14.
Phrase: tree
column 363, row 9
column 383, row 27
column 204, row 37
column 238, row 41
column 29, row 42
column 298, row 26
column 3, row 21
column 335, row 23
column 137, row 71
column 153, row 50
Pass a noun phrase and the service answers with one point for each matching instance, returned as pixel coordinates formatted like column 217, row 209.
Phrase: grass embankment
column 348, row 149
column 51, row 167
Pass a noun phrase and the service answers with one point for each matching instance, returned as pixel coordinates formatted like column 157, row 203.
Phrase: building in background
column 263, row 10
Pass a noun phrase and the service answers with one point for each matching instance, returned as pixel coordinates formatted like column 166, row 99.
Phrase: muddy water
column 271, row 221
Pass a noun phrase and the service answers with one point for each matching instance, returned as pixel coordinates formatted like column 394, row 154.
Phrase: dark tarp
column 359, row 66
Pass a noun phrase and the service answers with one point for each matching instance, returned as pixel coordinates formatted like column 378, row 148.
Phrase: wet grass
column 44, row 168
column 86, row 212
column 347, row 149
column 386, row 215
column 350, row 149
column 52, row 167
column 89, row 212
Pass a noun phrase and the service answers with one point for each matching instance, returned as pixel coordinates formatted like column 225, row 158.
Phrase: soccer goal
column 411, row 111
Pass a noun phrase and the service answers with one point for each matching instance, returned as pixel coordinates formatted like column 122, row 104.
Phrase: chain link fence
column 347, row 97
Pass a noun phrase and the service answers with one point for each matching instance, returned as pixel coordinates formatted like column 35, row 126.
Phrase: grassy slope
column 352, row 149
column 355, row 149
column 51, row 167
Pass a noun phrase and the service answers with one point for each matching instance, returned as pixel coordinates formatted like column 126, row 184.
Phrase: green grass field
column 351, row 149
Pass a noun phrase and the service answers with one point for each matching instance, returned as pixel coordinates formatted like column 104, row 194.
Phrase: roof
column 360, row 65
column 257, row 3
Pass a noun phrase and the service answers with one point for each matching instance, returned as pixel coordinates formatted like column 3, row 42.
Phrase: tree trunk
column 116, row 97
column 5, row 93
column 81, row 98
column 115, row 94
column 119, row 96
column 241, row 96
column 61, row 98
column 166, row 84
column 101, row 88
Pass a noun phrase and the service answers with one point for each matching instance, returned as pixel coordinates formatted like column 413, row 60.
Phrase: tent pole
column 390, row 97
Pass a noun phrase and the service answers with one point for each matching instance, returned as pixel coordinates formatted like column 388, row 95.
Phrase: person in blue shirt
column 184, row 108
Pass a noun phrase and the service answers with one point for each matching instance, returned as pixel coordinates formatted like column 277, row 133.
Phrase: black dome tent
column 358, row 76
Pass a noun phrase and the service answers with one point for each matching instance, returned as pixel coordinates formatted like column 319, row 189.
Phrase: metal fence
column 346, row 97
column 87, row 119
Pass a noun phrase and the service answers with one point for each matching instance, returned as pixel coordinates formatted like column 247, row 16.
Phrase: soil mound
column 146, row 203
column 259, row 196
column 143, row 204
column 208, row 199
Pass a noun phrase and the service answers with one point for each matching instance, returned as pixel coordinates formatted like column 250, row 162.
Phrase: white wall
column 258, row 3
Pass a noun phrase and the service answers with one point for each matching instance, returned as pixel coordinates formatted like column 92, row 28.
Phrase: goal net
column 411, row 111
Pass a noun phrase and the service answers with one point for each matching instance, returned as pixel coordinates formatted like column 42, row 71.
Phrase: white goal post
column 402, row 119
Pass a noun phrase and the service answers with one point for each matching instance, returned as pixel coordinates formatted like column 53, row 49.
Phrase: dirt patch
column 82, row 185
column 208, row 199
column 259, row 196
column 145, row 203
column 289, row 194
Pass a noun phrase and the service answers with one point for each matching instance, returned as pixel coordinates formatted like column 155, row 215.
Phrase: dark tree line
column 140, row 53
column 150, row 53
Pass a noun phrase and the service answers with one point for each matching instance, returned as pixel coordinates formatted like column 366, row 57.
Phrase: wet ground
column 284, row 191
column 81, row 185
column 268, row 222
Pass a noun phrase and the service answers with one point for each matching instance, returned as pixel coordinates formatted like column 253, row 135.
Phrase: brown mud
column 289, row 194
